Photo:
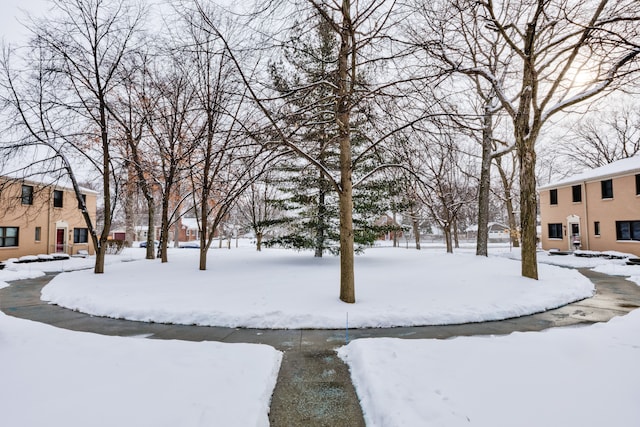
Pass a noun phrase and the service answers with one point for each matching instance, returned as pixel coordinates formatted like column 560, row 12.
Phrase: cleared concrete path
column 314, row 386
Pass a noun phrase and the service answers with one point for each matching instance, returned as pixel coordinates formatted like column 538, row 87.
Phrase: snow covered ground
column 277, row 288
column 561, row 377
column 576, row 376
column 54, row 377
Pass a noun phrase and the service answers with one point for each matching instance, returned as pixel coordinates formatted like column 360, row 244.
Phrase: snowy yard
column 576, row 376
column 561, row 377
column 284, row 289
column 54, row 377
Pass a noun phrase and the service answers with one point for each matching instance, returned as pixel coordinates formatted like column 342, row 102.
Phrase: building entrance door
column 60, row 240
column 574, row 239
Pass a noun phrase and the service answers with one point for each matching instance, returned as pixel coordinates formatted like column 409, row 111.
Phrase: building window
column 555, row 231
column 57, row 198
column 8, row 236
column 628, row 230
column 596, row 228
column 80, row 235
column 38, row 233
column 576, row 192
column 607, row 189
column 638, row 184
column 553, row 194
column 27, row 195
column 84, row 201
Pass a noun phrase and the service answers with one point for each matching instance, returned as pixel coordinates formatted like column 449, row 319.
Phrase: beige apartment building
column 42, row 219
column 596, row 210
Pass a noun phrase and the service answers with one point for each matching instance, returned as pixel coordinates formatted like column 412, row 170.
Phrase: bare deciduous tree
column 605, row 139
column 564, row 53
column 75, row 63
column 357, row 27
column 170, row 101
column 257, row 209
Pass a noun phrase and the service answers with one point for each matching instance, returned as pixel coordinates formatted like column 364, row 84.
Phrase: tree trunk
column 101, row 252
column 176, row 235
column 526, row 130
column 106, row 184
column 164, row 232
column 482, row 239
column 528, row 210
column 343, row 109
column 395, row 232
column 206, row 235
column 347, row 279
column 416, row 229
column 129, row 209
column 514, row 235
column 447, row 238
column 204, row 248
column 455, row 233
column 151, row 232
column 148, row 196
column 322, row 214
column 258, row 241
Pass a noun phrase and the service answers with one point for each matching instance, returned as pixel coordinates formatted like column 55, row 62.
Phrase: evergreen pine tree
column 304, row 78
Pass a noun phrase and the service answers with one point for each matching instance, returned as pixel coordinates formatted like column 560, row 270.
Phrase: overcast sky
column 12, row 12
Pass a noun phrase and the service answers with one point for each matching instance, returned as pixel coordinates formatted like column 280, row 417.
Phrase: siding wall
column 624, row 206
column 42, row 214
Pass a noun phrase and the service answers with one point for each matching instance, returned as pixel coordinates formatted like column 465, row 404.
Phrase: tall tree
column 483, row 49
column 309, row 57
column 564, row 53
column 228, row 154
column 75, row 63
column 604, row 139
column 130, row 111
column 442, row 184
column 170, row 105
column 507, row 168
column 303, row 79
column 256, row 208
column 359, row 28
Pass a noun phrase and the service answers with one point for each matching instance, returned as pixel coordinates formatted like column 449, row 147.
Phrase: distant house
column 37, row 218
column 117, row 235
column 497, row 232
column 595, row 210
column 393, row 227
column 189, row 229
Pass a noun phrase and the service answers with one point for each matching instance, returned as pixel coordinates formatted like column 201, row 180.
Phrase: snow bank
column 561, row 377
column 54, row 377
column 282, row 289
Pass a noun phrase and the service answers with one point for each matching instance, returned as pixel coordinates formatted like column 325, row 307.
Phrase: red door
column 60, row 240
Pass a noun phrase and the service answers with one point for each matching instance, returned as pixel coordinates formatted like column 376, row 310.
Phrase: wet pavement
column 314, row 387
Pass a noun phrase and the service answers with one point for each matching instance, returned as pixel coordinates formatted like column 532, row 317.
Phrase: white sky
column 13, row 12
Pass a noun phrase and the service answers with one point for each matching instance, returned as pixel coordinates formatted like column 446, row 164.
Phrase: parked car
column 144, row 244
column 194, row 244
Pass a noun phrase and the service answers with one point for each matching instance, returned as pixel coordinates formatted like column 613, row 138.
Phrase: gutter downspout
column 49, row 223
column 586, row 215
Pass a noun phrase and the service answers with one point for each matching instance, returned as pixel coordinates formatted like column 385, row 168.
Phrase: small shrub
column 115, row 247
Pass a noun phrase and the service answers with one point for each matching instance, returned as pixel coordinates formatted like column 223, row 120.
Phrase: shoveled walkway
column 314, row 386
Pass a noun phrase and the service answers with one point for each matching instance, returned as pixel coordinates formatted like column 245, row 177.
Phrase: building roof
column 47, row 181
column 490, row 225
column 627, row 166
column 190, row 223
